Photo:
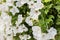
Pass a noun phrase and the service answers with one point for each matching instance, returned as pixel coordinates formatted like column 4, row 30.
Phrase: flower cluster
column 8, row 31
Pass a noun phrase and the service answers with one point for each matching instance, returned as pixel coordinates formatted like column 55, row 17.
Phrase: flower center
column 31, row 4
column 36, row 11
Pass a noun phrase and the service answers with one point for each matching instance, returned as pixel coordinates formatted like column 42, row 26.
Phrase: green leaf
column 58, row 16
column 48, row 20
column 58, row 23
column 47, row 8
column 57, row 1
column 47, row 1
column 14, row 19
column 51, row 16
column 57, row 7
column 16, row 38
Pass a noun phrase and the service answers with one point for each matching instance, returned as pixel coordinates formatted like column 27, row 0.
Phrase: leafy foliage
column 53, row 10
column 49, row 17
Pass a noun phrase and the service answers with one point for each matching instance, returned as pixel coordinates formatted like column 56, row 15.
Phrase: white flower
column 9, row 2
column 4, row 7
column 3, row 21
column 24, row 37
column 2, row 37
column 29, row 21
column 31, row 4
column 38, row 1
column 1, row 25
column 9, row 33
column 36, row 29
column 19, row 29
column 20, row 19
column 14, row 10
column 52, row 32
column 18, row 4
column 38, row 6
column 35, row 6
column 14, row 29
column 9, row 37
column 37, row 32
column 24, row 1
column 8, row 30
column 6, row 17
column 34, row 14
column 22, row 28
